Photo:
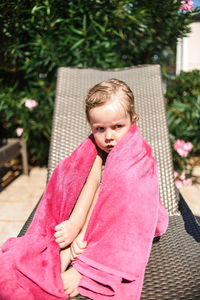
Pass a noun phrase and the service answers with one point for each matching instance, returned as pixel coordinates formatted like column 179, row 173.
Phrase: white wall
column 188, row 50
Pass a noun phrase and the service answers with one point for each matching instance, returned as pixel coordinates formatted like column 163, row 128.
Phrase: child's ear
column 135, row 118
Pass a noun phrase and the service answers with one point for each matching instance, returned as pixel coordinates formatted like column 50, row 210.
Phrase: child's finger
column 81, row 244
column 58, row 227
column 58, row 234
column 62, row 245
column 72, row 257
column 74, row 293
column 76, row 250
column 74, row 254
column 67, row 291
column 60, row 240
column 73, row 251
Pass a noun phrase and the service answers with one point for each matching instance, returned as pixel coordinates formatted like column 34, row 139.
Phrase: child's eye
column 117, row 126
column 99, row 128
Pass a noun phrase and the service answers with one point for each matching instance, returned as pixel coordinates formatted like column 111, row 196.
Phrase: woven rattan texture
column 173, row 270
column 70, row 127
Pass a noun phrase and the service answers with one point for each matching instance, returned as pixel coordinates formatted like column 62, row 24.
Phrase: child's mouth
column 109, row 147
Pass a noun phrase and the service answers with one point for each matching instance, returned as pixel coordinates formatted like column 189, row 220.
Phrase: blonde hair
column 102, row 92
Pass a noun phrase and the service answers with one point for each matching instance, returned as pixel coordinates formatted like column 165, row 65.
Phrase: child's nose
column 108, row 135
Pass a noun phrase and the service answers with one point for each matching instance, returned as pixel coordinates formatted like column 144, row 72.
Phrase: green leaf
column 76, row 30
column 37, row 8
column 78, row 43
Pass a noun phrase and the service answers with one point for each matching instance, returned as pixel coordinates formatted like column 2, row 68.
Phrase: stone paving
column 20, row 197
column 17, row 201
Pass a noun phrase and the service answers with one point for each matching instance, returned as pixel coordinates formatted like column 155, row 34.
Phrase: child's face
column 109, row 123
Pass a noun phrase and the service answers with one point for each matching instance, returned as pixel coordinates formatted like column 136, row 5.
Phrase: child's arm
column 83, row 230
column 69, row 229
column 79, row 245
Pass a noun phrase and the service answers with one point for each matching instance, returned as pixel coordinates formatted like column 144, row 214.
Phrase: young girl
column 103, row 222
column 110, row 112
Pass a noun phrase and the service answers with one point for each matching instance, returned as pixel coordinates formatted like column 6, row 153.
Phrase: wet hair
column 103, row 92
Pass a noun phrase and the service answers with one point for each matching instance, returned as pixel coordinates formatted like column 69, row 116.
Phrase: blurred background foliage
column 39, row 36
column 183, row 112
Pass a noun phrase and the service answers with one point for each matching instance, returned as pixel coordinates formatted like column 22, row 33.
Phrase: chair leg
column 24, row 156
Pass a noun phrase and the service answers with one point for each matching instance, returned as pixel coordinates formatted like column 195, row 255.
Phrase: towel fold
column 127, row 216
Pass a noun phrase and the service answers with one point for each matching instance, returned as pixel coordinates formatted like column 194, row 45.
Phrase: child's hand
column 65, row 233
column 78, row 246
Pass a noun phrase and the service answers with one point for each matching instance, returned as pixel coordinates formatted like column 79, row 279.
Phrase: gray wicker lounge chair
column 173, row 270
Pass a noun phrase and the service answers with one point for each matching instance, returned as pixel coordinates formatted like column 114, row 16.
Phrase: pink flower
column 30, row 103
column 181, row 180
column 19, row 131
column 178, row 184
column 190, row 5
column 175, row 174
column 187, row 181
column 188, row 146
column 183, row 6
column 182, row 148
column 187, row 5
column 182, row 176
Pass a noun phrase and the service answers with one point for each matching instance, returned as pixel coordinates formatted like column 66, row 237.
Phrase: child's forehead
column 113, row 106
column 116, row 97
column 115, row 101
column 118, row 100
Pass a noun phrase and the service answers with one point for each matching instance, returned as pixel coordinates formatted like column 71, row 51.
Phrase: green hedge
column 183, row 111
column 39, row 36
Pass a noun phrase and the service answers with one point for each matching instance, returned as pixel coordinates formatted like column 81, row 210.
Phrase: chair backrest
column 70, row 126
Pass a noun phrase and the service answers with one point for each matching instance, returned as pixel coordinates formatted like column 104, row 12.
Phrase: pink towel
column 127, row 216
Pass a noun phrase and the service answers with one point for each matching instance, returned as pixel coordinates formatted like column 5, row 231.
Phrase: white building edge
column 188, row 50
